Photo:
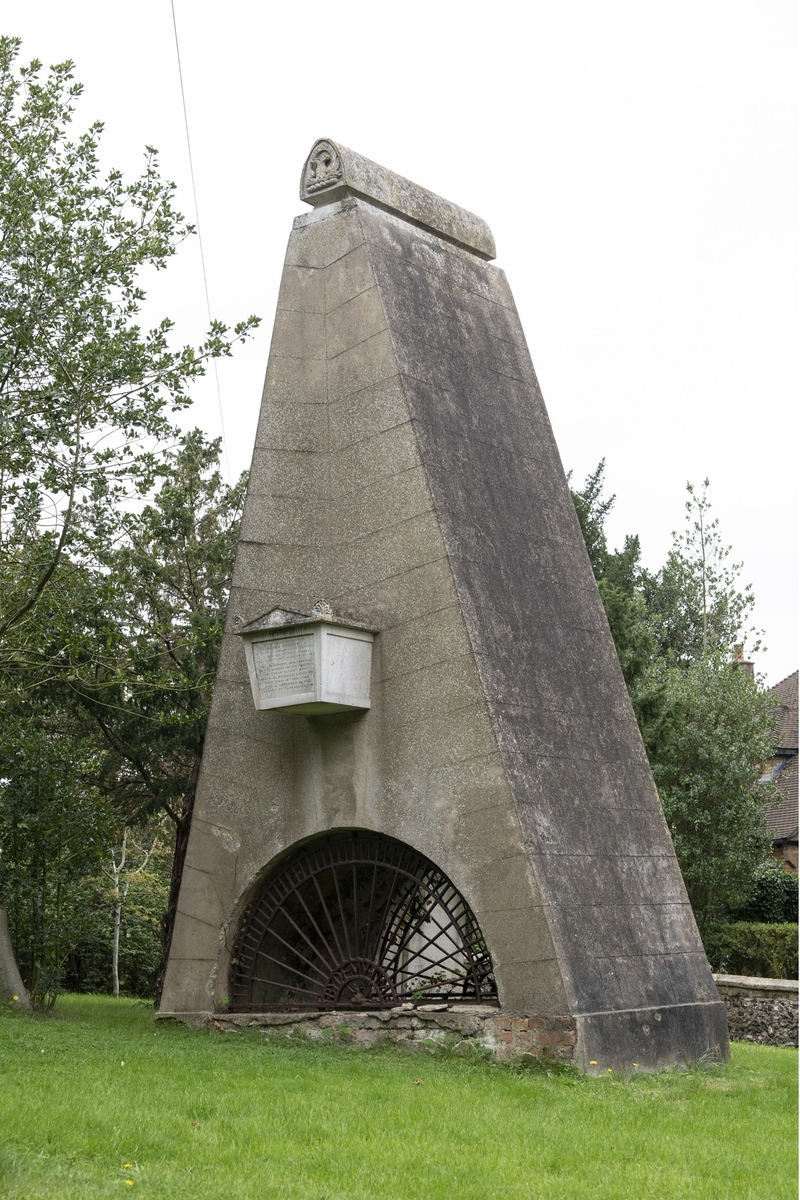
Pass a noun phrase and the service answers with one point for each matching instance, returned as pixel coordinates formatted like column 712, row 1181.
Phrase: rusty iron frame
column 357, row 920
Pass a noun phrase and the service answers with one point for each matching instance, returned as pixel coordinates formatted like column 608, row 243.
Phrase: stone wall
column 480, row 1027
column 762, row 1011
column 767, row 1022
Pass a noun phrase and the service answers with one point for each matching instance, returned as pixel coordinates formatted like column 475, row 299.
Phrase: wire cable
column 199, row 231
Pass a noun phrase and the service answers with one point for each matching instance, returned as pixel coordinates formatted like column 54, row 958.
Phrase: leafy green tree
column 87, row 397
column 128, row 653
column 85, row 394
column 122, row 952
column 695, row 603
column 707, row 726
column 718, row 731
column 149, row 644
column 54, row 828
column 716, row 726
column 621, row 582
column 121, row 873
column 592, row 508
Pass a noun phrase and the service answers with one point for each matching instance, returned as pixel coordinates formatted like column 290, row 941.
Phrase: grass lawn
column 96, row 1102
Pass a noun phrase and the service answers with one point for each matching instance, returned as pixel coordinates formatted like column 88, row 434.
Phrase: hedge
column 750, row 948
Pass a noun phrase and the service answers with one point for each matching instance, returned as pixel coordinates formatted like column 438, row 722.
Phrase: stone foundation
column 504, row 1035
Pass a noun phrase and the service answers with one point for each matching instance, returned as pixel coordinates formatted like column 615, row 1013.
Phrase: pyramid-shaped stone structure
column 405, row 472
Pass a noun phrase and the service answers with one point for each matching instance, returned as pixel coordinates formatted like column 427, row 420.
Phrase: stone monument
column 424, row 799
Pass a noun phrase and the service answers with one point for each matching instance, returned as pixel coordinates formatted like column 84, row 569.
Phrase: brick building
column 782, row 769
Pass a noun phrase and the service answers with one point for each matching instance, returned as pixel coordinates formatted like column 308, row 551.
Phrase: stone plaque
column 285, row 665
column 307, row 663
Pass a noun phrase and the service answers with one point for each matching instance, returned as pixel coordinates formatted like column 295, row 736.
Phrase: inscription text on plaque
column 285, row 665
column 307, row 665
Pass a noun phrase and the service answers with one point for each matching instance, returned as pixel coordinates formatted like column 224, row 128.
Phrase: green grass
column 224, row 1115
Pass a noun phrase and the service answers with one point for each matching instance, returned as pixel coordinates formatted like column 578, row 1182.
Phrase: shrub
column 753, row 948
column 773, row 899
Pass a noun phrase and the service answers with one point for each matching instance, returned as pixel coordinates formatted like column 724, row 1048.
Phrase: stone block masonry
column 405, row 472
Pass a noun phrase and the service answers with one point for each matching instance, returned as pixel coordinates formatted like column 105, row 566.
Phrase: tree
column 12, row 989
column 592, row 508
column 621, row 581
column 86, row 402
column 129, row 654
column 695, row 604
column 718, row 731
column 149, row 643
column 706, row 725
column 54, row 828
column 85, row 394
column 123, row 949
column 121, row 875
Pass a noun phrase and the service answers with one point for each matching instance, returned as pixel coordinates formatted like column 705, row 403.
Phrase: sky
column 636, row 162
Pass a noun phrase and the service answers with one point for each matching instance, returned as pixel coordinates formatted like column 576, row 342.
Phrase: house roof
column 786, row 695
column 782, row 819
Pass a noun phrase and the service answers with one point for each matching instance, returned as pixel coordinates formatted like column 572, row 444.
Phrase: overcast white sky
column 636, row 160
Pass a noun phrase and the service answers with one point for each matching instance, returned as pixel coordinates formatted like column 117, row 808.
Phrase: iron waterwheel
column 356, row 920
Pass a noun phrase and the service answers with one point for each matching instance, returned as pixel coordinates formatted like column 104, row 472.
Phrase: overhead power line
column 199, row 231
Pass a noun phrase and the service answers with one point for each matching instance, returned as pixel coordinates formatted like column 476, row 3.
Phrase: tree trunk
column 115, row 951
column 182, row 830
column 11, row 986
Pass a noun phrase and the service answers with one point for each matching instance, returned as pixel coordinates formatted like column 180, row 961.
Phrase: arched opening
column 356, row 920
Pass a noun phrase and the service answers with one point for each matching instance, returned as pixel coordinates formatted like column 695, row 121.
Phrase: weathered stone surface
column 405, row 470
column 647, row 1038
column 466, row 1029
column 760, row 1010
column 764, row 1022
column 758, row 987
column 331, row 172
column 318, row 242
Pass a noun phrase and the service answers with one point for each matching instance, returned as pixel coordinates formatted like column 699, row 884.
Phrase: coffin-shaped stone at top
column 332, row 172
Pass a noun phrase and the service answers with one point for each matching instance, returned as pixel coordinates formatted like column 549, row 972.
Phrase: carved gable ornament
column 323, row 168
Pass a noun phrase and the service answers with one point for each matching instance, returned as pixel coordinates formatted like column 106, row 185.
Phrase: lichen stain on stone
column 229, row 840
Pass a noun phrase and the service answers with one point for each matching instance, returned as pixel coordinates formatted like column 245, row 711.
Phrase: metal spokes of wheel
column 358, row 920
